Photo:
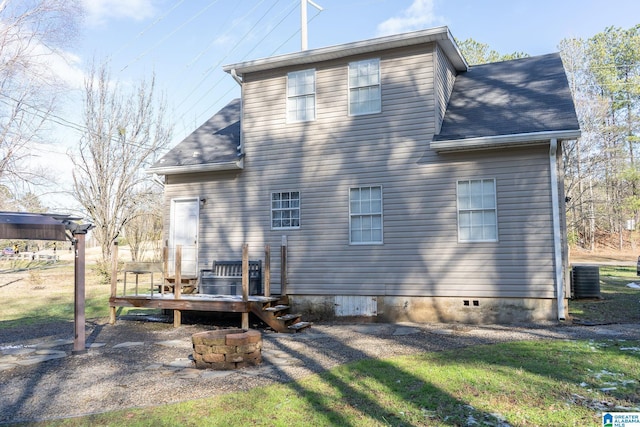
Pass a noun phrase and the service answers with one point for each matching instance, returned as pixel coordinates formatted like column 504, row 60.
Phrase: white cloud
column 418, row 16
column 100, row 11
column 68, row 68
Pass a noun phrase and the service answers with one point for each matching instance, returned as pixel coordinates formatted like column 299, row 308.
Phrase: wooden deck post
column 114, row 280
column 283, row 266
column 267, row 271
column 245, row 284
column 177, row 289
column 165, row 267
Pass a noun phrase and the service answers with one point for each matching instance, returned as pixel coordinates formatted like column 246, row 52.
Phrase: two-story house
column 406, row 184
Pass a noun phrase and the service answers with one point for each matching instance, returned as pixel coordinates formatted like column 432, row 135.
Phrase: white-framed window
column 285, row 209
column 365, row 215
column 364, row 87
column 477, row 213
column 301, row 96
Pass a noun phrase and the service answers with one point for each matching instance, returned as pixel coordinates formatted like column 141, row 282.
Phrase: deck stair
column 276, row 315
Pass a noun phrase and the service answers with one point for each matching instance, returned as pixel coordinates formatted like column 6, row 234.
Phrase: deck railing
column 177, row 279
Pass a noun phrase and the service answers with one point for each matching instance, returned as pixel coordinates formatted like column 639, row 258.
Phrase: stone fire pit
column 226, row 349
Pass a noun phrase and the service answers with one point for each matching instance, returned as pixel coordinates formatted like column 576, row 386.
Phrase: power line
column 162, row 40
column 208, row 71
column 153, row 24
column 213, row 68
column 295, row 33
column 47, row 115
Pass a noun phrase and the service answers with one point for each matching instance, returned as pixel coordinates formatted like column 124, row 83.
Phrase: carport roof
column 33, row 226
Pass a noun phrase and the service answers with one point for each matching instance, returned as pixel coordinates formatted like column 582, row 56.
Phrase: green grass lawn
column 537, row 383
column 45, row 293
column 619, row 303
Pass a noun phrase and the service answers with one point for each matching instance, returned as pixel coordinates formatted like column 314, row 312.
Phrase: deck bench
column 225, row 278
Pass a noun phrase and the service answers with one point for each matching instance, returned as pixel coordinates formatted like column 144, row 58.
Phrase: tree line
column 602, row 174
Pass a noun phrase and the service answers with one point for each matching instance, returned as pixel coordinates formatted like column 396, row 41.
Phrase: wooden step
column 277, row 308
column 299, row 326
column 288, row 317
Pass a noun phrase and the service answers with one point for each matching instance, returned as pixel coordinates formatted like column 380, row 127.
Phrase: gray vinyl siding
column 322, row 159
column 445, row 78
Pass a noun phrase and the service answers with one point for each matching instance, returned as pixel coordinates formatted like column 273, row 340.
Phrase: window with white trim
column 364, row 87
column 365, row 212
column 477, row 213
column 285, row 210
column 301, row 96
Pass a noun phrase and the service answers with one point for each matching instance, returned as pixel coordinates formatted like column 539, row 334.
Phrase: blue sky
column 186, row 42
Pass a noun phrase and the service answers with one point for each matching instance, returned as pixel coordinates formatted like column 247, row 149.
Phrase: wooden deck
column 270, row 310
column 196, row 302
column 180, row 294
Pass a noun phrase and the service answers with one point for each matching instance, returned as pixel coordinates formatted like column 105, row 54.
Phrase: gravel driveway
column 140, row 363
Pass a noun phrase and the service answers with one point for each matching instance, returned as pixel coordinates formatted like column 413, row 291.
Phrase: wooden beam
column 165, row 267
column 245, row 272
column 267, row 271
column 177, row 288
column 245, row 283
column 114, row 280
column 237, row 306
column 283, row 266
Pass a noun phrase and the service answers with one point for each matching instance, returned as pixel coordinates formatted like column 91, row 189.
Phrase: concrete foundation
column 437, row 309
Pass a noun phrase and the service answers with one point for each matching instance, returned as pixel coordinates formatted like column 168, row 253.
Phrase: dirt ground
column 608, row 256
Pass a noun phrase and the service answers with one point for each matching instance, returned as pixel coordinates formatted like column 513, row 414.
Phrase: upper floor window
column 365, row 211
column 285, row 209
column 477, row 213
column 364, row 87
column 301, row 96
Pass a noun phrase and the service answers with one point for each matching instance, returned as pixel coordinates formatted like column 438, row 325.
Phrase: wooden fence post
column 245, row 284
column 114, row 281
column 267, row 271
column 177, row 289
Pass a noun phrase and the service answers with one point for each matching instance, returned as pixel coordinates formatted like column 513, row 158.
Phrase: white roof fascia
column 207, row 167
column 441, row 35
column 500, row 141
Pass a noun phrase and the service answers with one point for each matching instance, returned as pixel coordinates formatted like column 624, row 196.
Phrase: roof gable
column 440, row 35
column 213, row 146
column 518, row 97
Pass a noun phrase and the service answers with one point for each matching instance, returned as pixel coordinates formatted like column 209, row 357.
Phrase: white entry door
column 184, row 231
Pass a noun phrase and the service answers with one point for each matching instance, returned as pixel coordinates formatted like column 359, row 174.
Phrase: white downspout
column 557, row 237
column 236, row 77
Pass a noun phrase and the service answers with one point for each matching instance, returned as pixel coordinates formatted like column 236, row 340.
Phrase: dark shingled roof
column 512, row 97
column 216, row 141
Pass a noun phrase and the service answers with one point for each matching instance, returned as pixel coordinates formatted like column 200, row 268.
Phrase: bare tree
column 32, row 35
column 144, row 231
column 125, row 132
column 602, row 172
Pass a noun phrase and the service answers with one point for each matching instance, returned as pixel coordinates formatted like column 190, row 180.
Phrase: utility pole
column 303, row 21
